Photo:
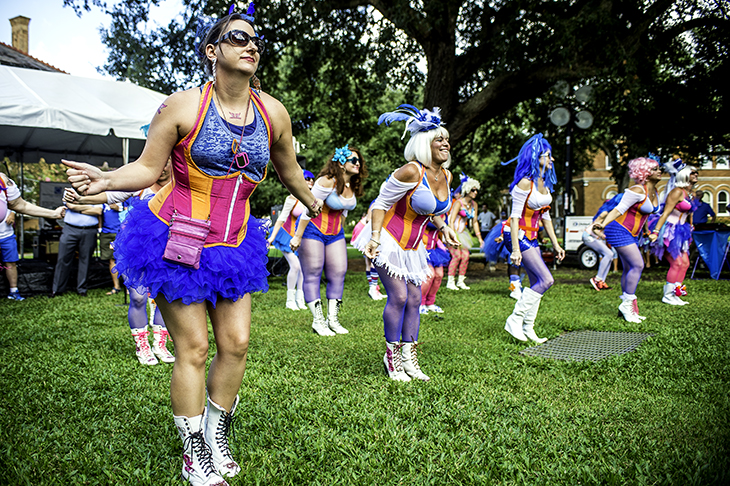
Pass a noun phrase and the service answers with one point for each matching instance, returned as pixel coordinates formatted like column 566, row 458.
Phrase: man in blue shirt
column 702, row 210
column 79, row 231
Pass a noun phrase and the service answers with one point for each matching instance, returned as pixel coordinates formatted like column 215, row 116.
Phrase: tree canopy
column 659, row 68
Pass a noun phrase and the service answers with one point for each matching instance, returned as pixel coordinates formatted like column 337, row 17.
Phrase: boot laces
column 195, row 442
column 225, row 427
column 142, row 343
column 396, row 357
column 414, row 355
column 635, row 307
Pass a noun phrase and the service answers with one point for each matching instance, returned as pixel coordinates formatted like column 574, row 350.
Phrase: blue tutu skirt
column 493, row 250
column 673, row 238
column 439, row 257
column 618, row 236
column 225, row 272
column 281, row 242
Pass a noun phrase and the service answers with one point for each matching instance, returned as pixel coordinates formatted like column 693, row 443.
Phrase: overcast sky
column 60, row 38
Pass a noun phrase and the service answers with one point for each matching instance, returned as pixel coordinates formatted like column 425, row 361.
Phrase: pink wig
column 640, row 168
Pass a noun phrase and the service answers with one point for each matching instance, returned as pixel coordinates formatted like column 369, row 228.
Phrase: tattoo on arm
column 159, row 110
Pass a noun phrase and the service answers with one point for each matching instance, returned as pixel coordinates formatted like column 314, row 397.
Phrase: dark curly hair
column 332, row 170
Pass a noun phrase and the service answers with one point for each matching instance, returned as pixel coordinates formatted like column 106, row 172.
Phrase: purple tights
column 315, row 257
column 401, row 319
column 633, row 264
column 540, row 277
column 137, row 313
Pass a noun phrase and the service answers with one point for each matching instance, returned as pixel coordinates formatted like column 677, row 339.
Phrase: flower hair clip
column 416, row 120
column 654, row 157
column 341, row 154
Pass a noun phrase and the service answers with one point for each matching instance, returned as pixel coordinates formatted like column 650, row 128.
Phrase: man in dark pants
column 79, row 231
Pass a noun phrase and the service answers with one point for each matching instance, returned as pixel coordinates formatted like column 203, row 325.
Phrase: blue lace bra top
column 212, row 150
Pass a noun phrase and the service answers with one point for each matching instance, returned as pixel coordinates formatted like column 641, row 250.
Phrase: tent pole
column 22, row 218
column 125, row 151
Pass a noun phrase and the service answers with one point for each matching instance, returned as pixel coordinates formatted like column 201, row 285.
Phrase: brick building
column 592, row 187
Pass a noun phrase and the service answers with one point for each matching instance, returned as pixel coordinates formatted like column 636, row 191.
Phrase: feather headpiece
column 462, row 180
column 416, row 120
column 672, row 168
column 654, row 157
column 341, row 154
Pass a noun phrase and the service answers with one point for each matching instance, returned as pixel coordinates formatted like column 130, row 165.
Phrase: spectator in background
column 79, row 232
column 486, row 219
column 109, row 229
column 10, row 200
column 9, row 254
column 701, row 210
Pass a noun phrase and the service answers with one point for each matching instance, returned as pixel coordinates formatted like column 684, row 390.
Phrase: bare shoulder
column 328, row 182
column 274, row 107
column 408, row 173
column 525, row 184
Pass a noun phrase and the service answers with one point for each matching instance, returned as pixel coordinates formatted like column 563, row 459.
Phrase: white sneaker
column 435, row 308
column 451, row 284
column 423, row 309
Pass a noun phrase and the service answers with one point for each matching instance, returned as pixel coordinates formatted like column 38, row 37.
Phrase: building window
column 722, row 203
column 722, row 162
column 608, row 162
column 705, row 162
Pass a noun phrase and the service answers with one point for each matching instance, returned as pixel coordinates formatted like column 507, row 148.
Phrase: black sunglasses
column 308, row 179
column 241, row 38
column 354, row 160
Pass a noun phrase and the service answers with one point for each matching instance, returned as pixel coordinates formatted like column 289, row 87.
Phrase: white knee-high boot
column 460, row 283
column 532, row 302
column 217, row 429
column 517, row 318
column 198, row 467
column 300, row 300
column 451, row 283
column 319, row 323
column 291, row 300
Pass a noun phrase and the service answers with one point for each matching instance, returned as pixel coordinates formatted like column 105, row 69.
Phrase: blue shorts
column 9, row 249
column 526, row 244
column 313, row 233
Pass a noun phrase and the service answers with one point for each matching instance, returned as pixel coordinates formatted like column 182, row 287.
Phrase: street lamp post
column 569, row 115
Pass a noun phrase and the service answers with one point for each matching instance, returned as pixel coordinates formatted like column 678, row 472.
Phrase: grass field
column 77, row 408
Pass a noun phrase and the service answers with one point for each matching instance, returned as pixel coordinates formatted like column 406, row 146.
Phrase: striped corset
column 329, row 221
column 404, row 224
column 197, row 194
column 530, row 220
column 633, row 219
column 290, row 225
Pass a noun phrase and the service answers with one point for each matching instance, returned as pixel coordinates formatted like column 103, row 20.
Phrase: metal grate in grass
column 588, row 345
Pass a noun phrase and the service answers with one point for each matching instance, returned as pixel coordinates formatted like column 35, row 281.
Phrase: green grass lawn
column 77, row 408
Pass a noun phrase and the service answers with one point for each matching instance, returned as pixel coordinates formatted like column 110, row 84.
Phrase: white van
column 574, row 241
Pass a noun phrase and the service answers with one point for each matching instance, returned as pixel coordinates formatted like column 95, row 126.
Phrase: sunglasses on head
column 354, row 160
column 241, row 38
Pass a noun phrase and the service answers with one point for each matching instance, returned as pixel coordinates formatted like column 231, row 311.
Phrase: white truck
column 574, row 241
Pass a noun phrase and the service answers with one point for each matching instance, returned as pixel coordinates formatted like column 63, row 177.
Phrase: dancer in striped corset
column 413, row 195
column 623, row 224
column 533, row 182
column 221, row 136
column 462, row 218
column 672, row 234
column 323, row 249
column 280, row 237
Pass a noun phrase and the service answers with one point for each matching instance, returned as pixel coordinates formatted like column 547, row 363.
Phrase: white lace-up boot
column 460, row 283
column 333, row 312
column 159, row 344
column 628, row 310
column 517, row 318
column 393, row 361
column 410, row 362
column 532, row 302
column 300, row 300
column 319, row 323
column 451, row 283
column 198, row 467
column 143, row 350
column 217, row 430
column 291, row 300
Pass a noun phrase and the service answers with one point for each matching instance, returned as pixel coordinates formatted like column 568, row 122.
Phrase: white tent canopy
column 55, row 116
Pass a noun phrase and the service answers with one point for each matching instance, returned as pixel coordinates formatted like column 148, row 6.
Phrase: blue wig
column 528, row 162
